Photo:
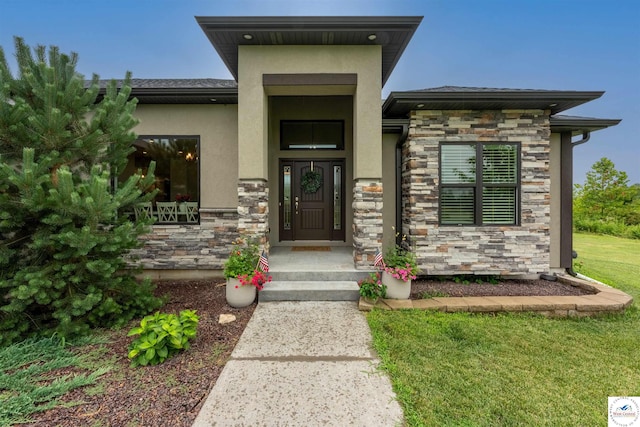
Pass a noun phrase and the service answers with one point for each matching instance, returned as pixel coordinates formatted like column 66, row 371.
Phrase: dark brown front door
column 312, row 199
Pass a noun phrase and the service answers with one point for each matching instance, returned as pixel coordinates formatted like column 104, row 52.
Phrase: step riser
column 310, row 291
column 330, row 276
column 303, row 295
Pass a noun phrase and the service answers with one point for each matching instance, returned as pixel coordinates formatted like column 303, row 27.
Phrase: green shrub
column 612, row 228
column 65, row 240
column 161, row 336
column 243, row 259
column 634, row 232
column 372, row 287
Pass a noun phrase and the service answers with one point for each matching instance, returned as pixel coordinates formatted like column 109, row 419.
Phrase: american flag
column 377, row 260
column 263, row 262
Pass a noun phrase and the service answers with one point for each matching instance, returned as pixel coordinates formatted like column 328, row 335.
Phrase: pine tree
column 64, row 235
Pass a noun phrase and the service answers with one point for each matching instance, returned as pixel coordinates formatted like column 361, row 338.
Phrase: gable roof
column 393, row 33
column 399, row 104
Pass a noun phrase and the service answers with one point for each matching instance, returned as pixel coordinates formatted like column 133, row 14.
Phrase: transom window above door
column 312, row 135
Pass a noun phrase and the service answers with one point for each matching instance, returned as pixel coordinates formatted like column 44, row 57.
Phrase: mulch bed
column 449, row 288
column 172, row 393
column 169, row 394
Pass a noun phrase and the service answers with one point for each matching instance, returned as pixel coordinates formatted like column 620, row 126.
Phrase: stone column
column 367, row 221
column 253, row 209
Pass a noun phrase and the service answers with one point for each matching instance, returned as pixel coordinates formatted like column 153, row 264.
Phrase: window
column 312, row 135
column 177, row 169
column 479, row 183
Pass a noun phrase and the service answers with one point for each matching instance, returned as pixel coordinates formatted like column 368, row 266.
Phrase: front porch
column 312, row 273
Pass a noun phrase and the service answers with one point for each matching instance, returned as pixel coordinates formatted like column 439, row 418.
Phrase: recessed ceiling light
column 553, row 105
column 247, row 36
column 213, row 100
column 372, row 37
column 419, row 105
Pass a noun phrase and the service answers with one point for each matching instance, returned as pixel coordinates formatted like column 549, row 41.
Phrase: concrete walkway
column 305, row 363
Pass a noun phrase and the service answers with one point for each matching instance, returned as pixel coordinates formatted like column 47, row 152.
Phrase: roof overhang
column 186, row 96
column 392, row 33
column 179, row 91
column 394, row 125
column 579, row 125
column 399, row 104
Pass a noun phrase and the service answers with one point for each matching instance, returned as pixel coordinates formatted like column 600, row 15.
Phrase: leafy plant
column 372, row 287
column 461, row 280
column 243, row 265
column 400, row 262
column 243, row 259
column 480, row 279
column 433, row 294
column 161, row 336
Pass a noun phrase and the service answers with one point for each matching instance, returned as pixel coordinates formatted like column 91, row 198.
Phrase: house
column 299, row 149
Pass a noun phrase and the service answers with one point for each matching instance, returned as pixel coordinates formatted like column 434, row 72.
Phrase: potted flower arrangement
column 399, row 268
column 244, row 278
column 372, row 288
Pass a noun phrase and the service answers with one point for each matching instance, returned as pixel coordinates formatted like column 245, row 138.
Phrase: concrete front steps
column 313, row 286
column 344, row 290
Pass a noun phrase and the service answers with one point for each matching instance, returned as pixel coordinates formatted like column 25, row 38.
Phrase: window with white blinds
column 479, row 183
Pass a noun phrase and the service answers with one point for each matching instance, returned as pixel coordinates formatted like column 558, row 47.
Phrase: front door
column 311, row 200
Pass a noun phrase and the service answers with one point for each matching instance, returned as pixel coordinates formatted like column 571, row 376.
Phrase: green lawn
column 612, row 260
column 517, row 369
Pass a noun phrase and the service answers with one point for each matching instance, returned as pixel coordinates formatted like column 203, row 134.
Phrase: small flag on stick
column 263, row 262
column 377, row 260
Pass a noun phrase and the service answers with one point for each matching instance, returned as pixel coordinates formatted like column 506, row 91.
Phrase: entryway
column 321, row 273
column 312, row 199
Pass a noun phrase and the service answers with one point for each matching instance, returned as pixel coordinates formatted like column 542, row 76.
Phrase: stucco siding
column 217, row 127
column 255, row 61
column 389, row 184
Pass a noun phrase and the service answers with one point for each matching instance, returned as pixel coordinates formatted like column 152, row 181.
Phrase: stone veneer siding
column 507, row 250
column 205, row 246
column 367, row 221
column 253, row 210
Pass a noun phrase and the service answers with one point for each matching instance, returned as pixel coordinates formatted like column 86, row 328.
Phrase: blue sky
column 541, row 44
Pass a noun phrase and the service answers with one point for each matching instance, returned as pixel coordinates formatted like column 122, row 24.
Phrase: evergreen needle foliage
column 63, row 237
column 26, row 382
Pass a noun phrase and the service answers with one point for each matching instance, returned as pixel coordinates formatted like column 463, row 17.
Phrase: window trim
column 479, row 183
column 340, row 146
column 198, row 157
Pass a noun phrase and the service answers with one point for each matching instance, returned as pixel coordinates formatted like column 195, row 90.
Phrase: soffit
column 579, row 125
column 393, row 33
column 400, row 104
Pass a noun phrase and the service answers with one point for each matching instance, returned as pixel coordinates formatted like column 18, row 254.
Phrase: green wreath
column 311, row 182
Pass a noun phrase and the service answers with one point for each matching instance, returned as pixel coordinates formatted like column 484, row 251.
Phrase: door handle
column 296, row 203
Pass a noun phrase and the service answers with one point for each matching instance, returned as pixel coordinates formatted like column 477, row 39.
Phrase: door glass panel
column 286, row 202
column 337, row 197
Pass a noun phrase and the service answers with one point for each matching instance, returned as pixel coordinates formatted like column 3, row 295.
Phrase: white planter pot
column 396, row 288
column 239, row 296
